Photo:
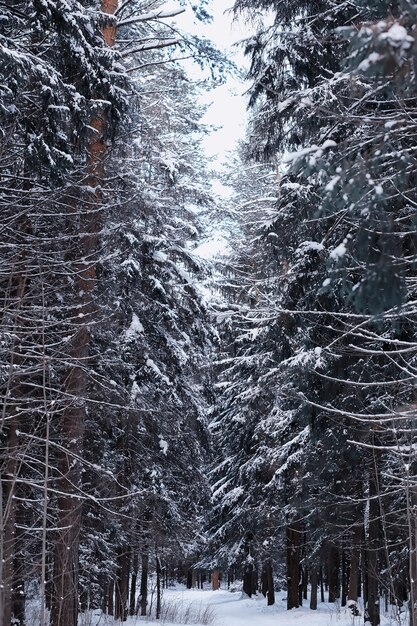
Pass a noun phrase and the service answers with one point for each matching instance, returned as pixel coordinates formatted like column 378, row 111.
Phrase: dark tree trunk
column 158, row 588
column 144, row 585
column 314, row 588
column 270, row 583
column 248, row 572
column 305, row 582
column 133, row 583
column 354, row 570
column 189, row 579
column 264, row 581
column 413, row 555
column 294, row 542
column 365, row 575
column 110, row 599
column 64, row 610
column 301, row 587
column 333, row 571
column 321, row 584
column 122, row 585
column 344, row 578
column 372, row 605
column 18, row 595
column 8, row 510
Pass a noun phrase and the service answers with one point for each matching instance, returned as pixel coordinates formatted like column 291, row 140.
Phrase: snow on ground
column 224, row 608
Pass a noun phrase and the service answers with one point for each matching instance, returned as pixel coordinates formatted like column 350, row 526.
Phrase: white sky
column 227, row 110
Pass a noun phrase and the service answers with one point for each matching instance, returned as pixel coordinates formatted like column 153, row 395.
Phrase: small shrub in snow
column 178, row 612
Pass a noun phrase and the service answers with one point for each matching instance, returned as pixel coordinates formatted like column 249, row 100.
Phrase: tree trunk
column 8, row 513
column 144, row 585
column 264, row 582
column 305, row 582
column 270, row 583
column 122, row 585
column 333, row 571
column 294, row 541
column 412, row 522
column 64, row 610
column 314, row 588
column 215, row 576
column 372, row 605
column 110, row 599
column 189, row 579
column 158, row 588
column 132, row 600
column 344, row 578
column 354, row 570
column 18, row 593
column 321, row 584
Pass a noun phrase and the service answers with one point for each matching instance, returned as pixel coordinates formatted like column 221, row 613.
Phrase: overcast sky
column 227, row 110
column 228, row 102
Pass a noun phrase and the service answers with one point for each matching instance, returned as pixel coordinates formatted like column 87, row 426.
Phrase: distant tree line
column 315, row 473
column 103, row 437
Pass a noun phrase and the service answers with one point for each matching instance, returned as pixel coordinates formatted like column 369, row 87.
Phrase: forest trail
column 223, row 608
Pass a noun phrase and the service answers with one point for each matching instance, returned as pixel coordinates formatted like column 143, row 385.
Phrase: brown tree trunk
column 132, row 600
column 314, row 588
column 158, row 588
column 122, row 585
column 64, row 610
column 144, row 585
column 18, row 593
column 110, row 598
column 372, row 605
column 189, row 579
column 248, row 583
column 344, row 578
column 305, row 582
column 8, row 510
column 333, row 571
column 215, row 578
column 412, row 521
column 294, row 542
column 354, row 570
column 269, row 583
column 321, row 577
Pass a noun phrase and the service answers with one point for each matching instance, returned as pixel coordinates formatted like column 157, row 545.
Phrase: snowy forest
column 247, row 420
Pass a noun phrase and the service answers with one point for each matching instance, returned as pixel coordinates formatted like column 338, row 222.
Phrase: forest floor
column 224, row 608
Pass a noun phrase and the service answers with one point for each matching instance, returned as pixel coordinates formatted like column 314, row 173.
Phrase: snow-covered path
column 224, row 608
column 230, row 609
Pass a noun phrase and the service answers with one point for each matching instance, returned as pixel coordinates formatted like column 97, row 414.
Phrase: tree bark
column 144, row 585
column 372, row 605
column 333, row 571
column 8, row 513
column 18, row 592
column 412, row 522
column 314, row 578
column 158, row 588
column 344, row 578
column 122, row 585
column 321, row 584
column 190, row 579
column 64, row 610
column 354, row 570
column 269, row 583
column 133, row 582
column 294, row 542
column 110, row 598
